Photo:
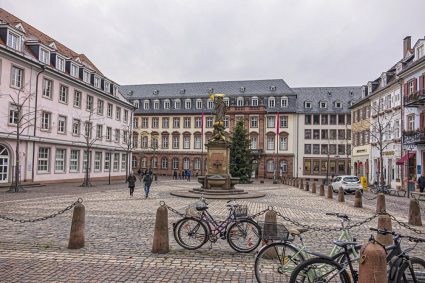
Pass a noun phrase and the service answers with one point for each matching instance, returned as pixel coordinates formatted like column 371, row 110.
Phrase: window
column 60, row 64
column 197, row 164
column 63, row 94
column 165, row 123
column 324, row 119
column 74, row 160
column 154, row 142
column 77, row 99
column 284, row 102
column 412, row 86
column 44, row 56
column 254, row 121
column 316, row 119
column 155, row 122
column 17, row 76
column 199, row 104
column 324, row 149
column 145, row 123
column 270, row 121
column 108, row 133
column 107, row 164
column 324, row 135
column 99, row 132
column 176, row 141
column 209, row 122
column 43, row 159
column 186, row 122
column 89, row 105
column 332, row 134
column 338, row 104
column 61, row 124
column 144, row 142
column 13, row 114
column 47, row 88
column 323, row 105
column 307, row 119
column 271, row 102
column 316, row 134
column 117, row 135
column 341, row 149
column 100, row 107
column 60, row 160
column 253, row 144
column 226, row 101
column 270, row 142
column 186, row 163
column 198, row 122
column 96, row 81
column 76, row 127
column 284, row 166
column 164, row 163
column 341, row 119
column 316, row 166
column 165, row 141
column 107, row 87
column 176, row 122
column 341, row 134
column 307, row 134
column 118, row 113
column 146, row 104
column 226, row 122
column 198, row 142
column 175, row 163
column 283, row 121
column 109, row 110
column 187, row 104
column 210, row 104
column 316, row 148
column 14, row 41
column 307, row 104
column 98, row 161
column 283, row 143
column 411, row 122
column 396, row 129
column 156, row 104
column 86, row 76
column 332, row 119
column 116, row 161
column 186, row 142
column 45, row 120
column 124, row 162
column 239, row 101
column 88, row 130
column 254, row 101
column 177, row 104
column 307, row 166
column 135, row 122
column 74, row 71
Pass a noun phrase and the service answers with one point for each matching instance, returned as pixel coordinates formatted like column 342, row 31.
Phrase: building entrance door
column 4, row 164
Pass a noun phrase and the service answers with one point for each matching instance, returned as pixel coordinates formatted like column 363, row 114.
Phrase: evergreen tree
column 240, row 154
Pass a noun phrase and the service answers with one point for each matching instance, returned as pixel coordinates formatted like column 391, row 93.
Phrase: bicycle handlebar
column 339, row 215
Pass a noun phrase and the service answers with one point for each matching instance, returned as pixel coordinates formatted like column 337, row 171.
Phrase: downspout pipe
column 43, row 68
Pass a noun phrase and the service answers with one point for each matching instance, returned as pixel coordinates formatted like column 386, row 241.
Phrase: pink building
column 61, row 102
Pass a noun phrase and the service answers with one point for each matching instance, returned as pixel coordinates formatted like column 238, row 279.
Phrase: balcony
column 257, row 152
column 416, row 137
column 415, row 99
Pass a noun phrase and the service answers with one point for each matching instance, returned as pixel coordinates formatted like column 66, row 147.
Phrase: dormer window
column 329, row 93
column 338, row 104
column 107, row 86
column 272, row 88
column 307, row 104
column 239, row 101
column 323, row 104
column 96, row 81
column 199, row 104
column 187, row 104
column 60, row 63
column 86, row 76
column 242, row 89
column 226, row 101
column 369, row 87
column 383, row 79
column 14, row 40
column 156, row 104
column 284, row 102
column 210, row 90
column 115, row 90
column 44, row 56
column 364, row 91
column 155, row 92
column 146, row 104
column 74, row 71
column 210, row 104
column 254, row 101
column 182, row 91
column 420, row 52
column 271, row 102
column 177, row 104
column 136, row 104
column 167, row 104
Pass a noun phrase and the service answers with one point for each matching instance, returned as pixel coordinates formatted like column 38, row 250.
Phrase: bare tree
column 127, row 145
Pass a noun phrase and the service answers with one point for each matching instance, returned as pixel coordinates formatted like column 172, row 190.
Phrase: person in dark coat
column 175, row 175
column 188, row 174
column 148, row 181
column 131, row 183
column 421, row 183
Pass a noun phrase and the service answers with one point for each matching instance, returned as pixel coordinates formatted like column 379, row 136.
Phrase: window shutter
column 406, row 89
column 421, row 120
column 421, row 82
column 415, row 85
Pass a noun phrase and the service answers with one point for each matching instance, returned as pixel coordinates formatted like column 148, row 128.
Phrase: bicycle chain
column 79, row 200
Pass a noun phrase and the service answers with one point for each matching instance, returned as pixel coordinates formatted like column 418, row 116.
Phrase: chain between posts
column 162, row 203
column 79, row 200
column 372, row 198
column 417, row 231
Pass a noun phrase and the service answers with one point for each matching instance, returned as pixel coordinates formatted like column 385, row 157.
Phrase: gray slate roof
column 197, row 89
column 329, row 95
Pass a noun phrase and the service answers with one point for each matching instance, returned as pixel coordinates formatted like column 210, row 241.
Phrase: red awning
column 405, row 158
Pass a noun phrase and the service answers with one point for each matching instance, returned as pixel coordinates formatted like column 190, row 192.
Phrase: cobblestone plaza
column 119, row 234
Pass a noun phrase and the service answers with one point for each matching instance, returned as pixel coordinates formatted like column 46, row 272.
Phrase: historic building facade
column 58, row 101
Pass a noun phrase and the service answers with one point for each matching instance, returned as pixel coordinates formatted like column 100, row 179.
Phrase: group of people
column 147, row 178
column 184, row 175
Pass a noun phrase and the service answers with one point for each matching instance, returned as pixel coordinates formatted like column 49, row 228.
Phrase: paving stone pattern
column 119, row 232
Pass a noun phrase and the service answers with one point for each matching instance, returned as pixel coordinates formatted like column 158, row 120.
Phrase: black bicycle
column 402, row 267
column 241, row 232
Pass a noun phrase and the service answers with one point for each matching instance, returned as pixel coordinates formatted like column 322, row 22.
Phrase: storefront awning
column 405, row 157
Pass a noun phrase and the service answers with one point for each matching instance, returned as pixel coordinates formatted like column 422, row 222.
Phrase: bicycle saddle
column 343, row 243
column 201, row 206
column 296, row 231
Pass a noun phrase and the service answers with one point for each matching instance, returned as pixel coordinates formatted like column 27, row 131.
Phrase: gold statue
column 220, row 114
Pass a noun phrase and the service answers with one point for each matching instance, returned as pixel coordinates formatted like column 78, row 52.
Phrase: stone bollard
column 380, row 203
column 341, row 197
column 384, row 222
column 358, row 199
column 307, row 187
column 161, row 244
column 322, row 190
column 373, row 264
column 313, row 188
column 76, row 236
column 415, row 213
column 301, row 184
column 330, row 192
column 269, row 232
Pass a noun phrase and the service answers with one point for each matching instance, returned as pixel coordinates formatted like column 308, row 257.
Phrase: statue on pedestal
column 220, row 114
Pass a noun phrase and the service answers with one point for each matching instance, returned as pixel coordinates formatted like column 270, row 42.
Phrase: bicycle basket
column 274, row 231
column 191, row 211
column 241, row 211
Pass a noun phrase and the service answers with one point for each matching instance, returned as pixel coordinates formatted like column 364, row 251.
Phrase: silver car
column 349, row 183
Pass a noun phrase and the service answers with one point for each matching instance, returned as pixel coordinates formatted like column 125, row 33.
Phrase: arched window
column 283, row 166
column 239, row 101
column 226, row 101
column 283, row 142
column 186, row 163
column 197, row 164
column 175, row 163
column 166, row 104
column 154, row 162
column 164, row 163
column 284, row 101
column 199, row 104
column 177, row 104
column 156, row 104
column 143, row 163
column 254, row 101
column 188, row 104
column 146, row 104
column 270, row 165
column 272, row 102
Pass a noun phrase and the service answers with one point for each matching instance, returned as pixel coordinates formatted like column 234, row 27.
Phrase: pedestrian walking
column 140, row 175
column 188, row 173
column 175, row 174
column 147, row 180
column 421, row 183
column 183, row 174
column 131, row 183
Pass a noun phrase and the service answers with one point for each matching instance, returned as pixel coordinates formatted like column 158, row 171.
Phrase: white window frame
column 283, row 123
column 47, row 88
column 254, row 101
column 99, row 132
column 118, row 113
column 284, row 102
column 44, row 56
column 100, row 106
column 165, row 122
column 239, row 102
column 188, row 104
column 77, row 98
column 210, row 104
column 253, row 123
column 97, row 82
column 60, row 63
column 63, row 94
column 60, row 160
column 146, row 104
column 283, row 143
column 46, row 121
column 199, row 104
column 271, row 122
column 307, row 104
column 253, row 142
column 186, row 142
column 74, row 161
column 271, row 142
column 106, row 86
column 86, row 76
column 17, row 77
column 98, row 161
column 167, row 104
column 110, row 110
column 13, row 114
column 76, row 127
column 89, row 102
column 156, row 104
column 14, row 40
column 43, row 160
column 177, row 104
column 271, row 102
column 62, row 124
column 74, row 71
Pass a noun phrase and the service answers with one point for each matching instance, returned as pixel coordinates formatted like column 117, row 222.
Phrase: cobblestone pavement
column 119, row 232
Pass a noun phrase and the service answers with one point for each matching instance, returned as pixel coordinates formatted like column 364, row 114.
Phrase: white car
column 349, row 183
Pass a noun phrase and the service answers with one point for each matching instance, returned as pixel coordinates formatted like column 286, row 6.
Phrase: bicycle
column 241, row 232
column 325, row 269
column 275, row 262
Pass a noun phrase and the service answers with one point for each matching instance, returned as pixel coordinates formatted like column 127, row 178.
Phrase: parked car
column 349, row 183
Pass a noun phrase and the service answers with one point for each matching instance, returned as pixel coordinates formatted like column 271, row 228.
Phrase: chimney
column 406, row 45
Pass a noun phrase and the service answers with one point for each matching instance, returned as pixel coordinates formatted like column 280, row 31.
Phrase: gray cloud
column 307, row 43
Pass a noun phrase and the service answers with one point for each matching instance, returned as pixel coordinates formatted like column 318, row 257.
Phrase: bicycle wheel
column 405, row 274
column 319, row 270
column 276, row 261
column 190, row 233
column 244, row 235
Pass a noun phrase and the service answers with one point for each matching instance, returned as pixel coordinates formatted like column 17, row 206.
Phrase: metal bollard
column 341, row 196
column 373, row 264
column 380, row 203
column 415, row 213
column 358, row 199
column 384, row 222
column 322, row 190
column 313, row 188
column 161, row 244
column 330, row 192
column 76, row 236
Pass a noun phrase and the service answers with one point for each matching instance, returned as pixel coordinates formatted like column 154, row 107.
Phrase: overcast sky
column 304, row 42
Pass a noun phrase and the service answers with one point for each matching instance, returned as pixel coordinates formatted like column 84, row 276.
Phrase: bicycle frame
column 217, row 228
